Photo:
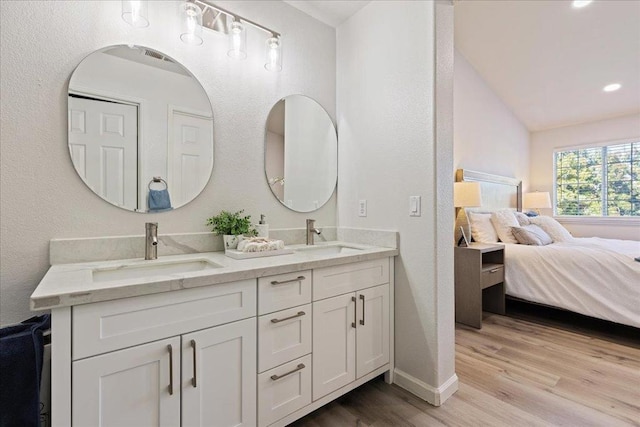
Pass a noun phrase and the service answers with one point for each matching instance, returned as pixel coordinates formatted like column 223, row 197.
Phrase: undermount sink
column 151, row 268
column 329, row 250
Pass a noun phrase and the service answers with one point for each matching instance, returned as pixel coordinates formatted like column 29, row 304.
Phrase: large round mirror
column 140, row 129
column 301, row 153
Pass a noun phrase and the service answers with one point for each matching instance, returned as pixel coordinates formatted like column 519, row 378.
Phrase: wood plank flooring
column 512, row 372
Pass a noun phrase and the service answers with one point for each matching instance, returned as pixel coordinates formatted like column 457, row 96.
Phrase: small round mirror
column 140, row 129
column 301, row 153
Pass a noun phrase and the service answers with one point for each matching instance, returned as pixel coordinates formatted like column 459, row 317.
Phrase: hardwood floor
column 512, row 372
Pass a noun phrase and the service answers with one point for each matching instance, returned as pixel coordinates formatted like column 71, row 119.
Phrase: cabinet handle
column 296, row 369
column 362, row 298
column 494, row 270
column 355, row 314
column 194, row 381
column 170, row 348
column 297, row 279
column 300, row 313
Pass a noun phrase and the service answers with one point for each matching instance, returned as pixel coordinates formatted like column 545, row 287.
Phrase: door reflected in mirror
column 134, row 115
column 301, row 153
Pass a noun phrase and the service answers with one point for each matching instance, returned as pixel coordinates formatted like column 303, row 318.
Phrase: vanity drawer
column 341, row 279
column 492, row 275
column 283, row 291
column 112, row 325
column 284, row 390
column 283, row 336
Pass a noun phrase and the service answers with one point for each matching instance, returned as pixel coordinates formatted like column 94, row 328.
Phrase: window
column 598, row 181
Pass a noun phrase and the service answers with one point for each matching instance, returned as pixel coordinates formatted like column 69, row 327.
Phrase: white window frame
column 633, row 221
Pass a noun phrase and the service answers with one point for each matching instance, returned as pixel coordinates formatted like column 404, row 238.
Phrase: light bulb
column 274, row 54
column 612, row 87
column 237, row 40
column 191, row 24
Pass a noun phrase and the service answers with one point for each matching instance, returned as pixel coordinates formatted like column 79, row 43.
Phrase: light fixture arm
column 208, row 5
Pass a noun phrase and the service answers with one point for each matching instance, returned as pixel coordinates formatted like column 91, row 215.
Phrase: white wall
column 487, row 135
column 543, row 144
column 388, row 152
column 43, row 198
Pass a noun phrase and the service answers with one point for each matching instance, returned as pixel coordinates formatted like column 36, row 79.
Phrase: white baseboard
column 434, row 396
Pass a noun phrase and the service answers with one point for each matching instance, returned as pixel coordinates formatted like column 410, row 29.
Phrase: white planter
column 231, row 241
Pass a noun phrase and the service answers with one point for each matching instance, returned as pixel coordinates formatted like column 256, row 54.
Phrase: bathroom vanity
column 207, row 340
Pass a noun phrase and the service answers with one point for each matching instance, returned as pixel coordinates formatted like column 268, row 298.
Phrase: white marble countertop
column 72, row 284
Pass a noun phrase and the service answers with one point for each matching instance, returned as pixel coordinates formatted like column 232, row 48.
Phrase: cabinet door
column 334, row 344
column 372, row 342
column 222, row 360
column 129, row 387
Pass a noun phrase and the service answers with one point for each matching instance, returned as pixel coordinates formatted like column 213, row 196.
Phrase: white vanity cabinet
column 168, row 359
column 350, row 330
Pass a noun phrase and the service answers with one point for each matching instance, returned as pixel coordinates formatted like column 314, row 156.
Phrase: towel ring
column 158, row 179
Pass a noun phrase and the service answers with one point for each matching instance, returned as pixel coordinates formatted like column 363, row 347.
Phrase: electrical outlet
column 362, row 208
column 414, row 206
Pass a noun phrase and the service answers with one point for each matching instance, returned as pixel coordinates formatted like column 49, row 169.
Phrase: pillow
column 502, row 221
column 531, row 235
column 553, row 228
column 522, row 218
column 481, row 228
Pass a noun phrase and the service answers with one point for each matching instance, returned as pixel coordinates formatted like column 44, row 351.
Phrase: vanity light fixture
column 134, row 13
column 235, row 28
column 191, row 21
column 612, row 87
column 578, row 4
column 237, row 40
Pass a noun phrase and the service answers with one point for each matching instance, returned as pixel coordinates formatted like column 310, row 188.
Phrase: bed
column 591, row 276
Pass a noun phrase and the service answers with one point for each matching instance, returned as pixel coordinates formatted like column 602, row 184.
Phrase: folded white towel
column 260, row 244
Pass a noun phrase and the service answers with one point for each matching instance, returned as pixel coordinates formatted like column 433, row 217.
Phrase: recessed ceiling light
column 577, row 4
column 612, row 87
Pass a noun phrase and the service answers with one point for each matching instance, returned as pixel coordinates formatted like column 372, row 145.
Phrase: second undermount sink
column 144, row 269
column 329, row 250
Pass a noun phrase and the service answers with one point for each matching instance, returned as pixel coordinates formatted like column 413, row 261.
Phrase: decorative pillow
column 523, row 219
column 553, row 228
column 502, row 221
column 531, row 235
column 481, row 227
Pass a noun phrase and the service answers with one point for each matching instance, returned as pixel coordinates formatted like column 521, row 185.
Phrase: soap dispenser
column 262, row 227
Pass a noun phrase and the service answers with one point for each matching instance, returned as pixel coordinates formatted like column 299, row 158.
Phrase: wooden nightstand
column 479, row 277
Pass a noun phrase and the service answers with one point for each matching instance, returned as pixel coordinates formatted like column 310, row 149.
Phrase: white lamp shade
column 537, row 200
column 467, row 194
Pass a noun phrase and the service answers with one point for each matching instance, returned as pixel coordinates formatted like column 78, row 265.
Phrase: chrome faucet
column 311, row 230
column 151, row 240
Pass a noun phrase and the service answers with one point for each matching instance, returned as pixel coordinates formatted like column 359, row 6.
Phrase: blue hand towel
column 21, row 356
column 159, row 200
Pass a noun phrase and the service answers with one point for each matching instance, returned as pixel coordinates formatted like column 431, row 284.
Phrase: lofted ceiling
column 545, row 59
column 549, row 61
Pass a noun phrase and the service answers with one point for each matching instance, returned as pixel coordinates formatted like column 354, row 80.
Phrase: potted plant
column 231, row 226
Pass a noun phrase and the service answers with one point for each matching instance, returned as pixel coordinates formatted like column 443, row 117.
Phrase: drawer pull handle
column 355, row 314
column 297, row 279
column 362, row 298
column 299, row 314
column 277, row 377
column 494, row 270
column 194, row 381
column 170, row 348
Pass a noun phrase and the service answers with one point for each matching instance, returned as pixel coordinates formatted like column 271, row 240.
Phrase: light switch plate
column 414, row 206
column 362, row 208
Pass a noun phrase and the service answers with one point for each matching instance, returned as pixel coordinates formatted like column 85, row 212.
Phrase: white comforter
column 592, row 276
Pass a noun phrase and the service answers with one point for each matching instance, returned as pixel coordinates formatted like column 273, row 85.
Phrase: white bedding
column 592, row 276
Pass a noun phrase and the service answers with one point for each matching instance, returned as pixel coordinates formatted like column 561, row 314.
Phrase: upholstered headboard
column 498, row 192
